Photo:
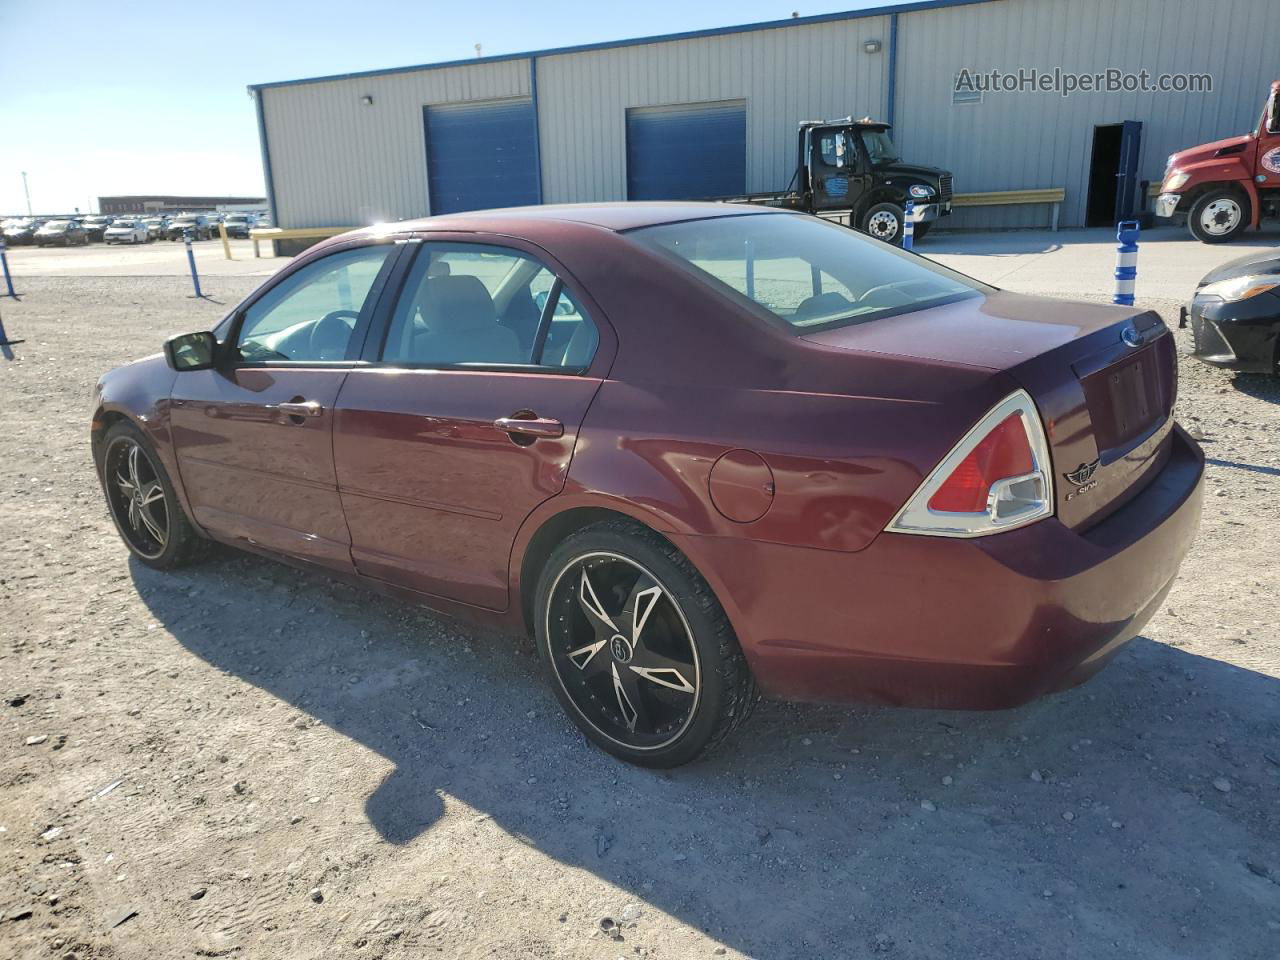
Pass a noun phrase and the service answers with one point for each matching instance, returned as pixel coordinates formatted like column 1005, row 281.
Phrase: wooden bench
column 1052, row 196
column 258, row 234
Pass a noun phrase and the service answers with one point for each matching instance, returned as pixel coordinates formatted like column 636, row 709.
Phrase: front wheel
column 637, row 648
column 884, row 222
column 1218, row 216
column 143, row 503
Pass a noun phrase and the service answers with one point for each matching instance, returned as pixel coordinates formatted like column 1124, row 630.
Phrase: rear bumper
column 966, row 624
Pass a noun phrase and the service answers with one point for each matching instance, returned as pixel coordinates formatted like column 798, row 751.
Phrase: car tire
column 1218, row 216
column 166, row 541
column 659, row 695
column 884, row 222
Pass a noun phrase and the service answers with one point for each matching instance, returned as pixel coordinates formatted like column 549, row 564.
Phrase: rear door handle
column 300, row 408
column 531, row 427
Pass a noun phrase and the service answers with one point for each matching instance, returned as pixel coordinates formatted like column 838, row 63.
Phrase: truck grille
column 944, row 187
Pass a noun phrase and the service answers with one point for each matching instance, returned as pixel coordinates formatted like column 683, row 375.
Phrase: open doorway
column 1113, row 173
column 1103, row 167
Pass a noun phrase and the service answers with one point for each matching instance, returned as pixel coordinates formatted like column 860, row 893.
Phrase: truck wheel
column 884, row 222
column 1218, row 216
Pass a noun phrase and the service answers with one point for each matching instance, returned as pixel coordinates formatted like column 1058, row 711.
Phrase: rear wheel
column 143, row 503
column 637, row 648
column 1218, row 216
column 884, row 222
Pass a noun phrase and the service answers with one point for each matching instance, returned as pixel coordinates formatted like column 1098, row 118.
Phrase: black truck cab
column 849, row 170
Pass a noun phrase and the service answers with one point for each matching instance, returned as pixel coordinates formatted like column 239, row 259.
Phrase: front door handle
column 300, row 408
column 531, row 426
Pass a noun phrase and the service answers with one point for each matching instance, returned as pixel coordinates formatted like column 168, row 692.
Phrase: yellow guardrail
column 258, row 234
column 1053, row 196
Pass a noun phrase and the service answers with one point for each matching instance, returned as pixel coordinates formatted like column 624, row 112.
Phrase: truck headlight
column 920, row 191
column 1175, row 181
column 1238, row 288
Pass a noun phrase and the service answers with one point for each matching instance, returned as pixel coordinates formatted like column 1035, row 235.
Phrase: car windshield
column 236, row 218
column 125, row 224
column 57, row 226
column 880, row 148
column 185, row 221
column 806, row 271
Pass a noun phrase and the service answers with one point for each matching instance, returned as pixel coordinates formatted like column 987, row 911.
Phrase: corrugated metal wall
column 336, row 161
column 785, row 75
column 1013, row 141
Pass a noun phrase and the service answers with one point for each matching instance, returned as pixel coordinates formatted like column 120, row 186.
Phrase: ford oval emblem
column 1131, row 336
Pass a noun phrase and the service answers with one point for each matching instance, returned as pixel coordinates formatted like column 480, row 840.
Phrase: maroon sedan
column 692, row 448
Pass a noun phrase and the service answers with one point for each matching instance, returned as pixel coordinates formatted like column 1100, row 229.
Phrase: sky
column 101, row 97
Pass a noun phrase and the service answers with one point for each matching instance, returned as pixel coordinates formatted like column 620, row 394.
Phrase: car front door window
column 311, row 315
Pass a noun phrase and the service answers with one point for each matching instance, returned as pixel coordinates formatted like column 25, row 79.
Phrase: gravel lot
column 244, row 760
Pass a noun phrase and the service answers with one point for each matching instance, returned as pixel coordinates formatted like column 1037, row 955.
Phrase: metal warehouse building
column 715, row 112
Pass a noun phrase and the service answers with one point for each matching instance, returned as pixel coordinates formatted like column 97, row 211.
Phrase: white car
column 127, row 230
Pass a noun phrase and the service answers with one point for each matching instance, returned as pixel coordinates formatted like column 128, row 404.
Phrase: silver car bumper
column 925, row 212
column 1167, row 203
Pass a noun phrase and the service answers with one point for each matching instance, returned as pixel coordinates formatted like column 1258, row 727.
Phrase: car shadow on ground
column 1260, row 386
column 1089, row 819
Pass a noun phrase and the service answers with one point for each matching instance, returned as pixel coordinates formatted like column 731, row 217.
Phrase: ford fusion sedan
column 61, row 233
column 1235, row 315
column 697, row 451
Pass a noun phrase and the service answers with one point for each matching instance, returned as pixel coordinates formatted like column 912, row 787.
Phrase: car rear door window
column 481, row 305
column 310, row 315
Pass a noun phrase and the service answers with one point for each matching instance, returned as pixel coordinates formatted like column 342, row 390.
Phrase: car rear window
column 805, row 271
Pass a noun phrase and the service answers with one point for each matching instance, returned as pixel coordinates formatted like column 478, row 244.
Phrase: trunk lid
column 1104, row 379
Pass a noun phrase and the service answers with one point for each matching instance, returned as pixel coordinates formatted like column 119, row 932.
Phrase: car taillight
column 996, row 478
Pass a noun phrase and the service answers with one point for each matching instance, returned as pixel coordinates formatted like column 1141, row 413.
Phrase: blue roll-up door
column 686, row 152
column 481, row 155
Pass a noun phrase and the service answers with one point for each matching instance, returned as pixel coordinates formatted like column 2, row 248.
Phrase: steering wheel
column 331, row 334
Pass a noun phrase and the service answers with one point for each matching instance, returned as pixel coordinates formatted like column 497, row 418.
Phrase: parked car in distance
column 23, row 231
column 693, row 449
column 127, row 230
column 197, row 224
column 61, row 233
column 156, row 226
column 239, row 224
column 1235, row 315
column 95, row 227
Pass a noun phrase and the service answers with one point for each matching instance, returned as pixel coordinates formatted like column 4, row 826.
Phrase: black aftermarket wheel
column 637, row 648
column 142, row 501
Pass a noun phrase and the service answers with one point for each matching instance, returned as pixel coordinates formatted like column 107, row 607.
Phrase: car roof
column 610, row 216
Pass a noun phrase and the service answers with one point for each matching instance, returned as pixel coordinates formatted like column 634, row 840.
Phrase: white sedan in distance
column 127, row 230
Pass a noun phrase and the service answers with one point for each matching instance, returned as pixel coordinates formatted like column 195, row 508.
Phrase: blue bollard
column 191, row 259
column 909, row 226
column 1126, row 261
column 8, row 280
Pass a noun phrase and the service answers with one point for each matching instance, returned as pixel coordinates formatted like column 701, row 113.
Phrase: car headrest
column 456, row 303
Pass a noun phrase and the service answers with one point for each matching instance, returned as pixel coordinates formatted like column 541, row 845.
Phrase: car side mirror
column 191, row 351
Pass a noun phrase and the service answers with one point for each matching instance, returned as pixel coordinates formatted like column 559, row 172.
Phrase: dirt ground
column 243, row 760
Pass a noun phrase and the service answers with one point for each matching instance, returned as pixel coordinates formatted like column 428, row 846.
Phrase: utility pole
column 26, row 191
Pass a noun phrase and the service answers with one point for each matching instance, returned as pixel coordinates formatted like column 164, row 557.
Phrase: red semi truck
column 1223, row 187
